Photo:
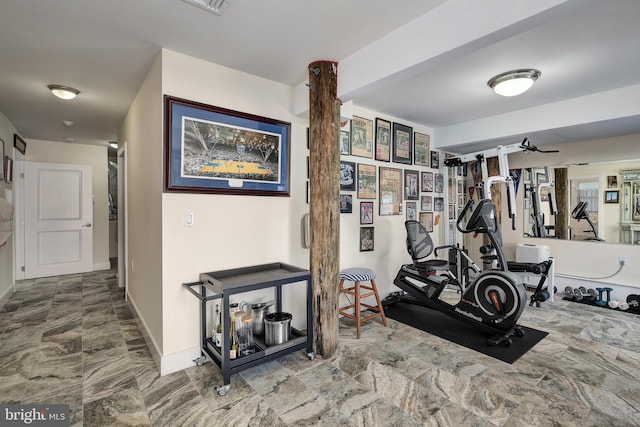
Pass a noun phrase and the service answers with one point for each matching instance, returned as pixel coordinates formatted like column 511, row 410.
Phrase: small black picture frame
column 411, row 184
column 366, row 212
column 611, row 196
column 19, row 143
column 435, row 160
column 366, row 239
column 402, row 144
column 347, row 176
column 346, row 203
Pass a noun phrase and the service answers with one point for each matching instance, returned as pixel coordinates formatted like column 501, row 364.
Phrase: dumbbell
column 568, row 292
column 581, row 293
column 622, row 305
column 613, row 304
column 600, row 301
column 634, row 302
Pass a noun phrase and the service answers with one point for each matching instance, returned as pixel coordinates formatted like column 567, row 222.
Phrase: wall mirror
column 596, row 201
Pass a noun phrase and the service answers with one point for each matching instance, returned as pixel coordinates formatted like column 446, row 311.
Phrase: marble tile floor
column 72, row 339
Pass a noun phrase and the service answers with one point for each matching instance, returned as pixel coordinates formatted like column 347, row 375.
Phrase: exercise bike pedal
column 500, row 340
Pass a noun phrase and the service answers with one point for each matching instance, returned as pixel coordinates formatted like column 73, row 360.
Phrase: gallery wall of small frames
column 395, row 146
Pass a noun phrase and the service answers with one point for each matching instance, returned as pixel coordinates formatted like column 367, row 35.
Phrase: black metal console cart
column 223, row 284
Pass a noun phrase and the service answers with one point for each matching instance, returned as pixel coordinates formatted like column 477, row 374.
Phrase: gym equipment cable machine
column 545, row 268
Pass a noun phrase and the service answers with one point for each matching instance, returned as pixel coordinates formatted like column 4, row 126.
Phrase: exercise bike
column 493, row 302
column 581, row 212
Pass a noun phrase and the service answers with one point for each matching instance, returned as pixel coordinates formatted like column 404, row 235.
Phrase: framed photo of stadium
column 215, row 150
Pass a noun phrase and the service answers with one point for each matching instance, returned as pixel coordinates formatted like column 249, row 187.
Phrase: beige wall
column 141, row 131
column 390, row 250
column 82, row 154
column 230, row 231
column 584, row 259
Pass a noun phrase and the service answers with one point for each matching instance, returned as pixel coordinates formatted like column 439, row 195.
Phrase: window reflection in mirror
column 595, row 202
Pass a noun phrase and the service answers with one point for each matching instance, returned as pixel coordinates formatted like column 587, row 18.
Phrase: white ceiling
column 423, row 61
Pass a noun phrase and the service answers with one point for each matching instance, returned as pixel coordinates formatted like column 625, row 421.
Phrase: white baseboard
column 166, row 363
column 178, row 361
column 619, row 292
column 6, row 294
column 153, row 348
column 99, row 266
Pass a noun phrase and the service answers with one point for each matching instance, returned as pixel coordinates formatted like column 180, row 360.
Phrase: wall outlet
column 622, row 259
column 132, row 266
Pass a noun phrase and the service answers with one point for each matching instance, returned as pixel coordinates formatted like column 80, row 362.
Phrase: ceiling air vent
column 214, row 6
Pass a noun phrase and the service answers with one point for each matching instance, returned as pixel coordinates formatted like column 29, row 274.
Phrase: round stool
column 358, row 275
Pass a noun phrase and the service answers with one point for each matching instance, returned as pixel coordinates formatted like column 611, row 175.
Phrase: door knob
column 86, row 225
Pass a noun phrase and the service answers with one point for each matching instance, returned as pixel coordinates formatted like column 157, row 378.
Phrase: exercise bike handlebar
column 466, row 208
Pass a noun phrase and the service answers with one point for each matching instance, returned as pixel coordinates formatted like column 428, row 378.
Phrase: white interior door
column 58, row 219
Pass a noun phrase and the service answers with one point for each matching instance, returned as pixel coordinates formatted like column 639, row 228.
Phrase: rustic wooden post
column 324, row 154
column 561, row 182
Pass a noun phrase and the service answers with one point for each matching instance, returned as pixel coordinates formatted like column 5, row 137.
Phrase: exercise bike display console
column 493, row 302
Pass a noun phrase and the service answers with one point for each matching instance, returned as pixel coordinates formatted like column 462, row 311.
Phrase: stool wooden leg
column 380, row 309
column 357, row 308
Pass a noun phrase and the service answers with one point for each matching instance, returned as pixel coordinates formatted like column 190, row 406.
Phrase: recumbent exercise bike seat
column 420, row 246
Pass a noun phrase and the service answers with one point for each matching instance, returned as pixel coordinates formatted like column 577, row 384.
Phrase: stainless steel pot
column 277, row 328
column 258, row 312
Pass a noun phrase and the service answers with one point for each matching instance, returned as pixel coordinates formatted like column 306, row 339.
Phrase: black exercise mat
column 443, row 326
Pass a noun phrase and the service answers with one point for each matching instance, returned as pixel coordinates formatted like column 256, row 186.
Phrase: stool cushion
column 357, row 274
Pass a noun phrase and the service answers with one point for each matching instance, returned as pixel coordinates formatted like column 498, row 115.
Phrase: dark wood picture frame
column 19, row 143
column 215, row 150
column 402, row 144
column 383, row 140
column 366, row 239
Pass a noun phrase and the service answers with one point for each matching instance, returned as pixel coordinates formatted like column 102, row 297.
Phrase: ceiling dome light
column 514, row 82
column 63, row 92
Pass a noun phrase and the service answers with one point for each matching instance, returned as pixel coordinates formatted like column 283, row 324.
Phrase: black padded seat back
column 420, row 246
column 419, row 243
